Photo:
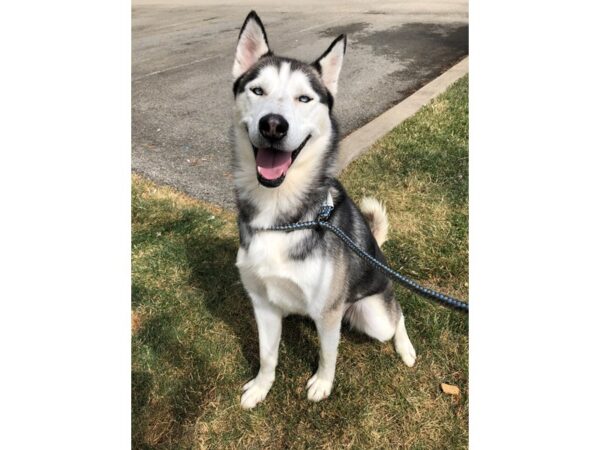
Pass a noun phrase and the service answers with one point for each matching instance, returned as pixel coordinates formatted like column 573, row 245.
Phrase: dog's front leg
column 268, row 319
column 319, row 386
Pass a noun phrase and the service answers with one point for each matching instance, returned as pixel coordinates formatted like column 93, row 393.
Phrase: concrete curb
column 359, row 141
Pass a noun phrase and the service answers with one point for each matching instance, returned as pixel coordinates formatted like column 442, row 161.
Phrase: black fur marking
column 236, row 85
column 245, row 213
column 329, row 100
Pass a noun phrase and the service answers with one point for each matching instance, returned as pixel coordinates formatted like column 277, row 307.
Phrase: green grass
column 194, row 341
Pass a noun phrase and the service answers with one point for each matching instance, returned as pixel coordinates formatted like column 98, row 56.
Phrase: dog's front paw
column 409, row 355
column 255, row 392
column 407, row 352
column 318, row 388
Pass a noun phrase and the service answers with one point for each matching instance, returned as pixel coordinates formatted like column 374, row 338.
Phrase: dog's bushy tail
column 374, row 212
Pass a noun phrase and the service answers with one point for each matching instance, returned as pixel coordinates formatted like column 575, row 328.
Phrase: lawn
column 194, row 341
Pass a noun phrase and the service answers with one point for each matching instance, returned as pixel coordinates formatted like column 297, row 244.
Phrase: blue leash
column 322, row 222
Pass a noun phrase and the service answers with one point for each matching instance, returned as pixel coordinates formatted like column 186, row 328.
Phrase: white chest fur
column 296, row 286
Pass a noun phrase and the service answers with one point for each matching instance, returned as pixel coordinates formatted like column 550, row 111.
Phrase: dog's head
column 283, row 105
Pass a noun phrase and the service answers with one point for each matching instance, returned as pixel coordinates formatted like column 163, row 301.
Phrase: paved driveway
column 183, row 53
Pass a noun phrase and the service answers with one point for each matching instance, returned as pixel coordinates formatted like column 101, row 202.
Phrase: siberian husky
column 284, row 168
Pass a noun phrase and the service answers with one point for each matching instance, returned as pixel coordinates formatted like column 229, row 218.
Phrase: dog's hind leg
column 380, row 317
column 374, row 316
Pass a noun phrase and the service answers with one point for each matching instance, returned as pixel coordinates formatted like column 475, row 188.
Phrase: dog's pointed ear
column 329, row 64
column 252, row 44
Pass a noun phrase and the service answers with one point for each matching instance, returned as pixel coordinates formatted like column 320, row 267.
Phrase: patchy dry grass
column 193, row 332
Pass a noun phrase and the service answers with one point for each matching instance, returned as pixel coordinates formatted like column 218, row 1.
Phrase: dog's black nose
column 273, row 127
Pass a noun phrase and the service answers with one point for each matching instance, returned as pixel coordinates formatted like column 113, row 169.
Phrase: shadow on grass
column 212, row 261
column 159, row 420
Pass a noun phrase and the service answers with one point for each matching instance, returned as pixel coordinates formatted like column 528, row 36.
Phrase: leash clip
column 326, row 209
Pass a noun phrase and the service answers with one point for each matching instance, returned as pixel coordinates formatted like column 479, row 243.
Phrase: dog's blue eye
column 304, row 98
column 257, row 91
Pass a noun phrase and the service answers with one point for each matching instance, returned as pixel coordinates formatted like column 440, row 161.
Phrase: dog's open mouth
column 272, row 165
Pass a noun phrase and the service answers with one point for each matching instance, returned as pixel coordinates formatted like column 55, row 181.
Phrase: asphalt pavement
column 182, row 54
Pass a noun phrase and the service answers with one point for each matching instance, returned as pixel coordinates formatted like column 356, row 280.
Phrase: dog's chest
column 297, row 286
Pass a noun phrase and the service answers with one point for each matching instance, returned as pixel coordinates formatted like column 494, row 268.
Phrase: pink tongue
column 271, row 164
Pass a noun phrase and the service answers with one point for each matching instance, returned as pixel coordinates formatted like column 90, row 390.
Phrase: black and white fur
column 305, row 272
